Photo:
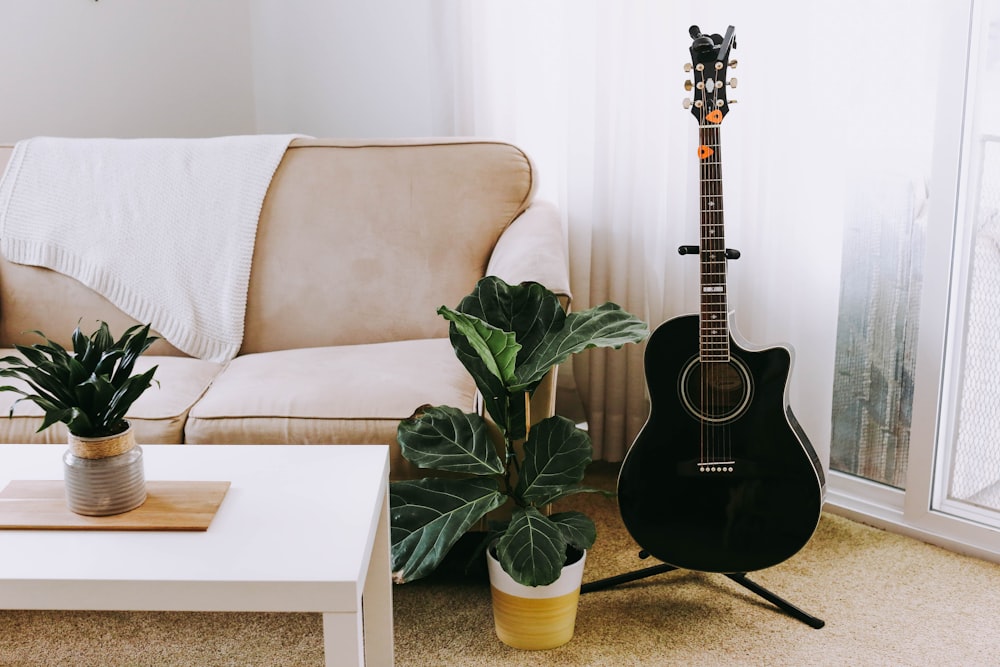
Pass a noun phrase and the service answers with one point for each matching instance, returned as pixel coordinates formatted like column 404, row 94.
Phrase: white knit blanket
column 163, row 228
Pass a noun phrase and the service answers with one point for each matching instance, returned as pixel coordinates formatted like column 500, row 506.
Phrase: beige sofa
column 358, row 244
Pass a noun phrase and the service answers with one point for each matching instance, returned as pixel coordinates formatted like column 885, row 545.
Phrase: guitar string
column 708, row 294
column 705, row 366
column 714, row 344
column 720, row 431
column 716, row 295
column 722, row 365
column 723, row 369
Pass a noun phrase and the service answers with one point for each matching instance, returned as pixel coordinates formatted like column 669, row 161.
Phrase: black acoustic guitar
column 721, row 478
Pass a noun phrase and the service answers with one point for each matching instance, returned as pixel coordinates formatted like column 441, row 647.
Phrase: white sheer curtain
column 592, row 91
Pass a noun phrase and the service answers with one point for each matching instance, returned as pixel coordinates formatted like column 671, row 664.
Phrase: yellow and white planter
column 535, row 617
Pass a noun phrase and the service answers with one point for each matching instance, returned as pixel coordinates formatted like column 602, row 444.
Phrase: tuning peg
column 732, row 63
column 686, row 103
column 688, row 85
column 687, row 67
column 733, row 101
column 732, row 82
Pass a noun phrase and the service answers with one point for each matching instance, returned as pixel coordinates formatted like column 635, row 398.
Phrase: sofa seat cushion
column 351, row 394
column 158, row 415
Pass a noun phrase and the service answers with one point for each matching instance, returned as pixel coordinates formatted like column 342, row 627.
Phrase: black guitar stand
column 739, row 577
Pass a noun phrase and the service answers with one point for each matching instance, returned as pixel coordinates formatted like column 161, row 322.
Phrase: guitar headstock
column 709, row 64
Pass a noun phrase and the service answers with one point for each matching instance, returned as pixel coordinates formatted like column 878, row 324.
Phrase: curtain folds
column 592, row 90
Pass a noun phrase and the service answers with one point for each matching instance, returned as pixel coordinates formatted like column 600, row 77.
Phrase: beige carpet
column 886, row 600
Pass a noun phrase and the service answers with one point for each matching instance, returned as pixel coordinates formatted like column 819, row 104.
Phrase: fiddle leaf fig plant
column 508, row 338
column 89, row 388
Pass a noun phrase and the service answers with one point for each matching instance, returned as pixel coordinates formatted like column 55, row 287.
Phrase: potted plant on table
column 508, row 338
column 90, row 389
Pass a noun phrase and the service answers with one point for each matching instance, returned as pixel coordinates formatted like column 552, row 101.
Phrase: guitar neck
column 714, row 332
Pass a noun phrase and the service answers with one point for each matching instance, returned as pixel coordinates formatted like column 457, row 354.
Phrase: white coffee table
column 303, row 528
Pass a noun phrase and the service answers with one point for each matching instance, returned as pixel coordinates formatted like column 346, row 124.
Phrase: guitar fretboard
column 714, row 345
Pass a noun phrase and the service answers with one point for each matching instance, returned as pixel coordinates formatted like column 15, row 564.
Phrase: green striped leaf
column 556, row 455
column 533, row 548
column 445, row 438
column 429, row 515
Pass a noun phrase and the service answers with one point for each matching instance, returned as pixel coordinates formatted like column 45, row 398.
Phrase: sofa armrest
column 533, row 248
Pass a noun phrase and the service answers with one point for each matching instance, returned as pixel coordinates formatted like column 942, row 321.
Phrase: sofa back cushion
column 358, row 242
column 361, row 242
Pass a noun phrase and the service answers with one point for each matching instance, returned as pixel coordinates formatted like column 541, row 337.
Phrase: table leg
column 343, row 639
column 377, row 600
column 366, row 638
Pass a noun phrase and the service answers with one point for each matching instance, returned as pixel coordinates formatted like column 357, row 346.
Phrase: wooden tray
column 41, row 505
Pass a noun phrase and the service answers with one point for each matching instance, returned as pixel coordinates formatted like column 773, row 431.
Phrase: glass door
column 916, row 421
column 967, row 479
column 888, row 194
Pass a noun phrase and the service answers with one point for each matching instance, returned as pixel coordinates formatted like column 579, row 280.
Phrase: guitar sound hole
column 716, row 392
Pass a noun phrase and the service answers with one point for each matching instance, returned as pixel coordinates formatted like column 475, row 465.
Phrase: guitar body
column 721, row 478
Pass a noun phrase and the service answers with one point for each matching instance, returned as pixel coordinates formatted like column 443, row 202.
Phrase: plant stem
column 511, row 464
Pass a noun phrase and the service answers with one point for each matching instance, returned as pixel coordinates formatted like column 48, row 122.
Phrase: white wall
column 125, row 68
column 345, row 68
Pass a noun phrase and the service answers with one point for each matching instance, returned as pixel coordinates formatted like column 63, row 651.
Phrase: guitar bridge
column 735, row 467
column 717, row 467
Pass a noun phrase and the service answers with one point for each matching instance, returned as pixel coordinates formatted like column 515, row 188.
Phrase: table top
column 294, row 533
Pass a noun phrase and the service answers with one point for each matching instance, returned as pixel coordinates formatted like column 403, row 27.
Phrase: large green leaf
column 497, row 349
column 556, row 455
column 602, row 326
column 132, row 344
column 102, row 338
column 44, row 381
column 429, row 515
column 505, row 409
column 123, row 398
column 490, row 356
column 445, row 438
column 76, row 420
column 533, row 549
column 104, row 364
column 577, row 528
column 529, row 310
